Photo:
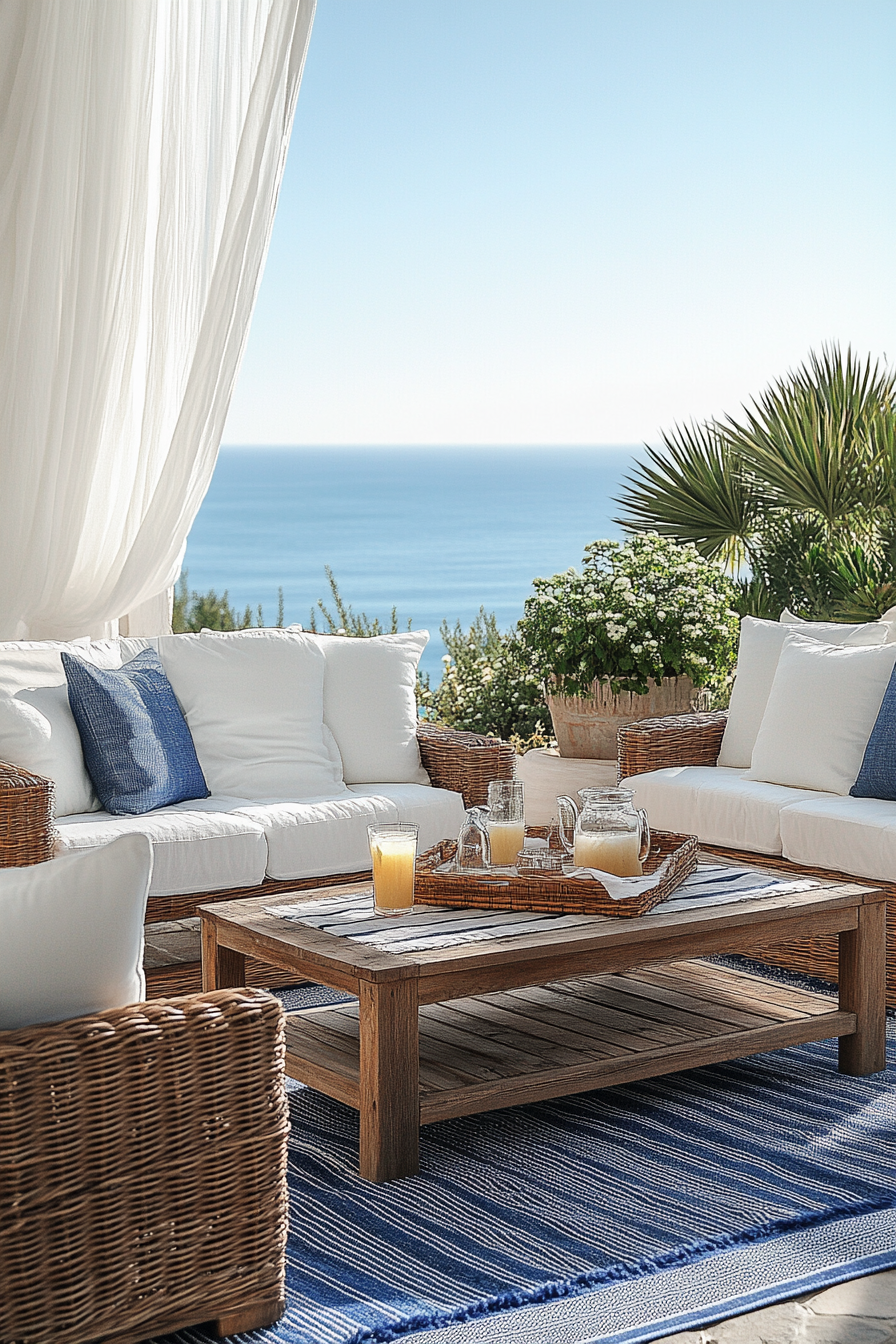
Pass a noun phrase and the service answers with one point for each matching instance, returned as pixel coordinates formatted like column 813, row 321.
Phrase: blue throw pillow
column 877, row 777
column 137, row 747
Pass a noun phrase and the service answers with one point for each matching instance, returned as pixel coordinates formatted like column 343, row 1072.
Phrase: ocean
column 436, row 532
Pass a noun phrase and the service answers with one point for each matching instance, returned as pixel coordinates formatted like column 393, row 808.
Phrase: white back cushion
column 370, row 705
column 821, row 709
column 872, row 632
column 758, row 652
column 71, row 934
column 254, row 705
column 38, row 733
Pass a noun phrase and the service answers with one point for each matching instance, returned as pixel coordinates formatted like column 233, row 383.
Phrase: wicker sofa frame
column 463, row 762
column 143, row 1171
column 695, row 739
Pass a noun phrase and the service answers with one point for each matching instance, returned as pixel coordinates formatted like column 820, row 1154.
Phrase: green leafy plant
column 648, row 609
column 800, row 489
column 345, row 622
column 489, row 685
column 194, row 611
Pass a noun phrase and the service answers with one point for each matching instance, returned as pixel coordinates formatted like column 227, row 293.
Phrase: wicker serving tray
column 672, row 858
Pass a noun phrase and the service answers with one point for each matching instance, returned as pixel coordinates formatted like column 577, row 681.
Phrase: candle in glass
column 393, row 851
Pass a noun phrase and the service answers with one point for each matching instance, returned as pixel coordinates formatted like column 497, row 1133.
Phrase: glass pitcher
column 473, row 845
column 608, row 834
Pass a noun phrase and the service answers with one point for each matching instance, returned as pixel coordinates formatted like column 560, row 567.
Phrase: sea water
column 436, row 532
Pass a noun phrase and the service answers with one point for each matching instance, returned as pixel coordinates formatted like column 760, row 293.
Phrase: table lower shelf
column 522, row 1045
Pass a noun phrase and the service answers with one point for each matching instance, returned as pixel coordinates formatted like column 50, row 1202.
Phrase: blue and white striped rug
column 618, row 1215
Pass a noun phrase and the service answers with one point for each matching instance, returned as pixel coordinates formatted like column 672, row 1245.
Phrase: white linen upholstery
column 254, row 705
column 71, row 934
column 38, row 733
column 438, row 812
column 371, row 707
column 200, row 845
column 329, row 835
column 719, row 805
column 758, row 652
column 820, row 712
column 318, row 836
column 830, row 632
column 850, row 835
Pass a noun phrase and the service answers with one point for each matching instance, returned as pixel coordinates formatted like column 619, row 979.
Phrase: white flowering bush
column 650, row 608
column 489, row 685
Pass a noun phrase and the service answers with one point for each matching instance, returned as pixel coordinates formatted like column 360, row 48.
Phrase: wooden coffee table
column 499, row 1023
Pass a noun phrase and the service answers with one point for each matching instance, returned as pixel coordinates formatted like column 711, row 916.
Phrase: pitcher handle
column 645, row 834
column 569, row 815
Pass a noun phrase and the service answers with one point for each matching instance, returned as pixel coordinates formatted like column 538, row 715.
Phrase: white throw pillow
column 371, row 707
column 871, row 632
column 71, row 933
column 254, row 705
column 757, row 660
column 820, row 712
column 25, row 663
column 38, row 733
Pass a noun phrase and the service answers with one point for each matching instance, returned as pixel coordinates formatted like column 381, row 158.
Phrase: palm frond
column 693, row 491
column 808, row 437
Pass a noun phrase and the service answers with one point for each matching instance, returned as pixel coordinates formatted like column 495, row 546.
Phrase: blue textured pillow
column 877, row 777
column 137, row 747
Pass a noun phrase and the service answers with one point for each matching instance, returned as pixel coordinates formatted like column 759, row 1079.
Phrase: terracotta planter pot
column 587, row 727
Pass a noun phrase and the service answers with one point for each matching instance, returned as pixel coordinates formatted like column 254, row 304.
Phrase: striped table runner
column 433, row 926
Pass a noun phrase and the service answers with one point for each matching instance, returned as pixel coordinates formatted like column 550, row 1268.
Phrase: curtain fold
column 142, row 143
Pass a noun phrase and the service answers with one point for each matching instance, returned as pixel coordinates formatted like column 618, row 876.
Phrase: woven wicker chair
column 461, row 762
column 695, row 739
column 143, row 1171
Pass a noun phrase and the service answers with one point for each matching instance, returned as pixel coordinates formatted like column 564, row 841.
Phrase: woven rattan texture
column 142, row 1168
column 694, row 739
column 465, row 763
column 559, row 895
column 26, row 817
column 679, row 739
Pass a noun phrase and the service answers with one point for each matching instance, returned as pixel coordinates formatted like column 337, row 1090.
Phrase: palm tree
column 800, row 491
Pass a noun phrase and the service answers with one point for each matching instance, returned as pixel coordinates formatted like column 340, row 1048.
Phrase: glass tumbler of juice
column 393, row 851
column 506, row 821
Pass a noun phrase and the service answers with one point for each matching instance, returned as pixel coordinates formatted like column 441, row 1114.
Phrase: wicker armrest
column 27, row 834
column 143, row 1169
column 465, row 763
column 678, row 739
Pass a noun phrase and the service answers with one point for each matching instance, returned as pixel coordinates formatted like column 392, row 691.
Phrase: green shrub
column 647, row 609
column 489, row 685
column 194, row 611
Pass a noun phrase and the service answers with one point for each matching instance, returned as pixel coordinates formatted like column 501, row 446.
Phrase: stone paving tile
column 862, row 1311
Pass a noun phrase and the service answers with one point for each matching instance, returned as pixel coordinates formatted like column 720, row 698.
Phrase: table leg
column 222, row 968
column 390, row 1086
column 863, row 990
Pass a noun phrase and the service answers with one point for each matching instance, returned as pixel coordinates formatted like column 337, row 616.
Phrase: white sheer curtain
column 142, row 144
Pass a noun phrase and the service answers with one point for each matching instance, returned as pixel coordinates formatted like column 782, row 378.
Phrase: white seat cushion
column 71, row 934
column 254, row 705
column 717, row 804
column 438, row 812
column 323, row 836
column 371, row 707
column 201, row 845
column 850, row 835
column 320, row 836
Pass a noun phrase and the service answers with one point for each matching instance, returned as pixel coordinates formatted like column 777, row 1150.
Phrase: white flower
column 446, row 658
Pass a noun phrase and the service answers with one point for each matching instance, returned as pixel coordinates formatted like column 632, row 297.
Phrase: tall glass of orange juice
column 393, row 851
column 506, row 821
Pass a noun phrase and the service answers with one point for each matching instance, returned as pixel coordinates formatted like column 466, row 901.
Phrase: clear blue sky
column 573, row 222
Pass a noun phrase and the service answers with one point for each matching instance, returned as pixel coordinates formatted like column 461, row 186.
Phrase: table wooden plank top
column 245, row 925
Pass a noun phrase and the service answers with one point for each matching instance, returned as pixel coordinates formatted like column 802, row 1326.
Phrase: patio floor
column 862, row 1311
